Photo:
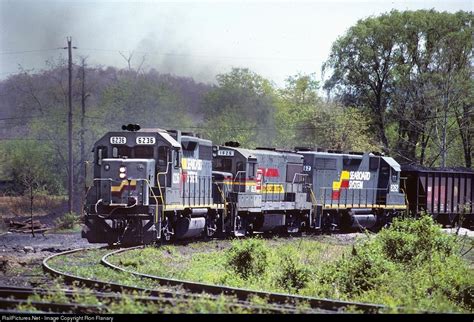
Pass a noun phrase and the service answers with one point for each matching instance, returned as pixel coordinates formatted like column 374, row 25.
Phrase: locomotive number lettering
column 118, row 140
column 307, row 168
column 394, row 188
column 146, row 140
column 225, row 153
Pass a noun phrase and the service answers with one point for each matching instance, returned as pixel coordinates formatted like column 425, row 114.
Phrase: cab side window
column 240, row 166
column 163, row 152
column 251, row 174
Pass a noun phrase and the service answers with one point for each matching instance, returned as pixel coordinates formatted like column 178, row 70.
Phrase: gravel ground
column 462, row 231
column 23, row 244
column 21, row 255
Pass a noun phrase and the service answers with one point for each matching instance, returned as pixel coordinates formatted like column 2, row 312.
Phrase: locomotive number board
column 226, row 153
column 118, row 140
column 147, row 140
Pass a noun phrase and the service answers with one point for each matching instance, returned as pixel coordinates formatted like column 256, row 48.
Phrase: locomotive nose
column 126, row 182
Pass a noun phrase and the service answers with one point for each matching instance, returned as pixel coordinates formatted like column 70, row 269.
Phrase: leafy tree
column 412, row 69
column 295, row 109
column 344, row 129
column 244, row 101
column 29, row 163
column 362, row 60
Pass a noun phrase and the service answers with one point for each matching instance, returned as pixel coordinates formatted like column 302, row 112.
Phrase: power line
column 27, row 51
column 198, row 55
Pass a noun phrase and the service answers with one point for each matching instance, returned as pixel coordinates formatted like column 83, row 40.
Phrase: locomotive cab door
column 164, row 165
column 251, row 174
column 383, row 182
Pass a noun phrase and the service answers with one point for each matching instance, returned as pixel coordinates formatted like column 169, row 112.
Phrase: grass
column 412, row 264
column 211, row 266
column 86, row 264
column 128, row 305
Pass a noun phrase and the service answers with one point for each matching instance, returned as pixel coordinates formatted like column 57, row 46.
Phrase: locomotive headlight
column 122, row 174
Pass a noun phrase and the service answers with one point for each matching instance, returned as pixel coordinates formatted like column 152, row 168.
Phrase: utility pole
column 69, row 119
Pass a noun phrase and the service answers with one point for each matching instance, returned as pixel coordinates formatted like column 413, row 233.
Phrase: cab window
column 223, row 164
column 144, row 152
column 163, row 152
column 251, row 173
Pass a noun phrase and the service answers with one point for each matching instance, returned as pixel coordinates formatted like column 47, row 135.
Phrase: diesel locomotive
column 149, row 185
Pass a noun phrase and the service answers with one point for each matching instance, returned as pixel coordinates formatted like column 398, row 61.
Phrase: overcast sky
column 189, row 38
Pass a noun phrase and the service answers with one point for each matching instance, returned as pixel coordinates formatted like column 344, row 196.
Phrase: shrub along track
column 173, row 293
column 320, row 304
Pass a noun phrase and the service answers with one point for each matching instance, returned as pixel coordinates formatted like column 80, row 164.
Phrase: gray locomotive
column 148, row 185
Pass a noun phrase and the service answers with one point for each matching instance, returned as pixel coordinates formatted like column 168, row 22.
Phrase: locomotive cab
column 123, row 202
column 148, row 184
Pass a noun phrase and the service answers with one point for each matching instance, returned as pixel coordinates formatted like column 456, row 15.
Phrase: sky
column 197, row 39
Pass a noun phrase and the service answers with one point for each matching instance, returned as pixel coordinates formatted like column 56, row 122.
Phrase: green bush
column 292, row 276
column 248, row 258
column 364, row 270
column 411, row 241
column 67, row 221
column 412, row 263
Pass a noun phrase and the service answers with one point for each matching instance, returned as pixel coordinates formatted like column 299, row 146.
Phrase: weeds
column 67, row 221
column 411, row 264
column 248, row 258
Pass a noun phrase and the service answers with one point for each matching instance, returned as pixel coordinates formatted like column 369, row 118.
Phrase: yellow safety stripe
column 122, row 185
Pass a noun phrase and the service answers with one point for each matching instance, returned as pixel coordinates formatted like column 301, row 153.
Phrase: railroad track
column 324, row 305
column 13, row 297
column 169, row 290
column 166, row 294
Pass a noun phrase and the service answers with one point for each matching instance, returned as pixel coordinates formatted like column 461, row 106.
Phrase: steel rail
column 244, row 294
column 166, row 296
column 25, row 292
column 6, row 304
column 21, row 294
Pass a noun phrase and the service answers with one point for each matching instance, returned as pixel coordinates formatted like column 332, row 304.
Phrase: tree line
column 399, row 83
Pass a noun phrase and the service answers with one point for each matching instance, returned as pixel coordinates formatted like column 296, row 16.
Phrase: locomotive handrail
column 298, row 174
column 225, row 203
column 361, row 199
column 159, row 184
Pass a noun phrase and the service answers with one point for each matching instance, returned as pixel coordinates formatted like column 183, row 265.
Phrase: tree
column 295, row 109
column 411, row 71
column 362, row 60
column 29, row 164
column 249, row 99
column 341, row 128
